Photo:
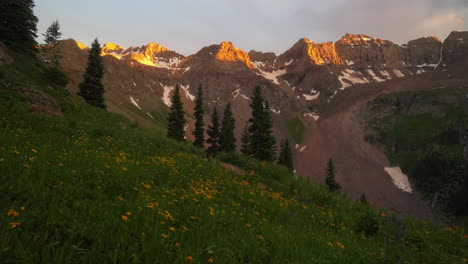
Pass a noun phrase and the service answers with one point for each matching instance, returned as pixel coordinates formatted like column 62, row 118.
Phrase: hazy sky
column 265, row 25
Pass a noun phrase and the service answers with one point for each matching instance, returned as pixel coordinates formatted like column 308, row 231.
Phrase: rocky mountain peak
column 227, row 52
column 310, row 52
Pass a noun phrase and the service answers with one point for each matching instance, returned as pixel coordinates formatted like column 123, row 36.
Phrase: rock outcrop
column 423, row 51
column 363, row 51
column 455, row 48
column 306, row 51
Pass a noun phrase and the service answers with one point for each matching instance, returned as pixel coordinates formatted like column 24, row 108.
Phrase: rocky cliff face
column 455, row 48
column 423, row 51
column 306, row 51
column 362, row 51
column 263, row 60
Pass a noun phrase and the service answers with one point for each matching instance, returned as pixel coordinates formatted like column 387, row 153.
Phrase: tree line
column 258, row 140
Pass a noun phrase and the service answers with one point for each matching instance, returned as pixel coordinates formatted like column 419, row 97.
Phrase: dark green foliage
column 199, row 131
column 227, row 140
column 92, row 89
column 245, row 140
column 18, row 25
column 363, row 199
column 176, row 118
column 262, row 143
column 52, row 54
column 213, row 135
column 56, row 77
column 51, row 38
column 330, row 180
column 285, row 156
column 368, row 223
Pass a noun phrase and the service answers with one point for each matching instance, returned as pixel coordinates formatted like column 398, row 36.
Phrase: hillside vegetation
column 421, row 132
column 80, row 185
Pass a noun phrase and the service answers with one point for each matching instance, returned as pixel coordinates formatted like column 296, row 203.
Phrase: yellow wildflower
column 15, row 224
column 124, row 217
column 189, row 259
column 12, row 212
column 338, row 244
column 128, row 213
column 164, row 235
column 210, row 260
column 177, row 244
column 260, row 237
column 33, row 150
column 330, row 244
column 172, row 229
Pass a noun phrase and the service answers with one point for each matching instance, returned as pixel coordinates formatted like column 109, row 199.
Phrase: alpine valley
column 323, row 98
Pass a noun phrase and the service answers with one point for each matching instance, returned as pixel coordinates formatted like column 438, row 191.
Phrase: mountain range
column 314, row 90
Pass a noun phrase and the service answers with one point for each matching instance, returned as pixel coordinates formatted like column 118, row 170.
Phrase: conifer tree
column 285, row 157
column 176, row 118
column 199, row 131
column 213, row 135
column 245, row 141
column 92, row 89
column 330, row 180
column 262, row 143
column 18, row 25
column 267, row 150
column 363, row 199
column 51, row 38
column 227, row 140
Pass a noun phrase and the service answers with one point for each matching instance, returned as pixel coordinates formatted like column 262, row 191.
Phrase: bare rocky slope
column 307, row 81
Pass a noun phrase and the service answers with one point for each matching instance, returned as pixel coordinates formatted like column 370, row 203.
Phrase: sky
column 186, row 26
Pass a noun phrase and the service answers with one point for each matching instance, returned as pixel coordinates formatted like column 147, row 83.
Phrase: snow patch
column 166, row 95
column 351, row 76
column 150, row 115
column 314, row 94
column 314, row 115
column 187, row 93
column 375, row 77
column 272, row 76
column 237, row 93
column 399, row 179
column 301, row 148
column 386, row 74
column 398, row 73
column 275, row 111
column 134, row 102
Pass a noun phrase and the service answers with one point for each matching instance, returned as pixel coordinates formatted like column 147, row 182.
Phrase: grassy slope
column 90, row 188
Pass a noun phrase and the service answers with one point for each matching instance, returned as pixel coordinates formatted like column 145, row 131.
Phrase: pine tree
column 285, row 157
column 199, row 131
column 281, row 157
column 92, row 89
column 363, row 199
column 213, row 135
column 288, row 161
column 262, row 143
column 267, row 150
column 18, row 25
column 245, row 141
column 176, row 118
column 227, row 140
column 330, row 180
column 53, row 56
column 51, row 38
